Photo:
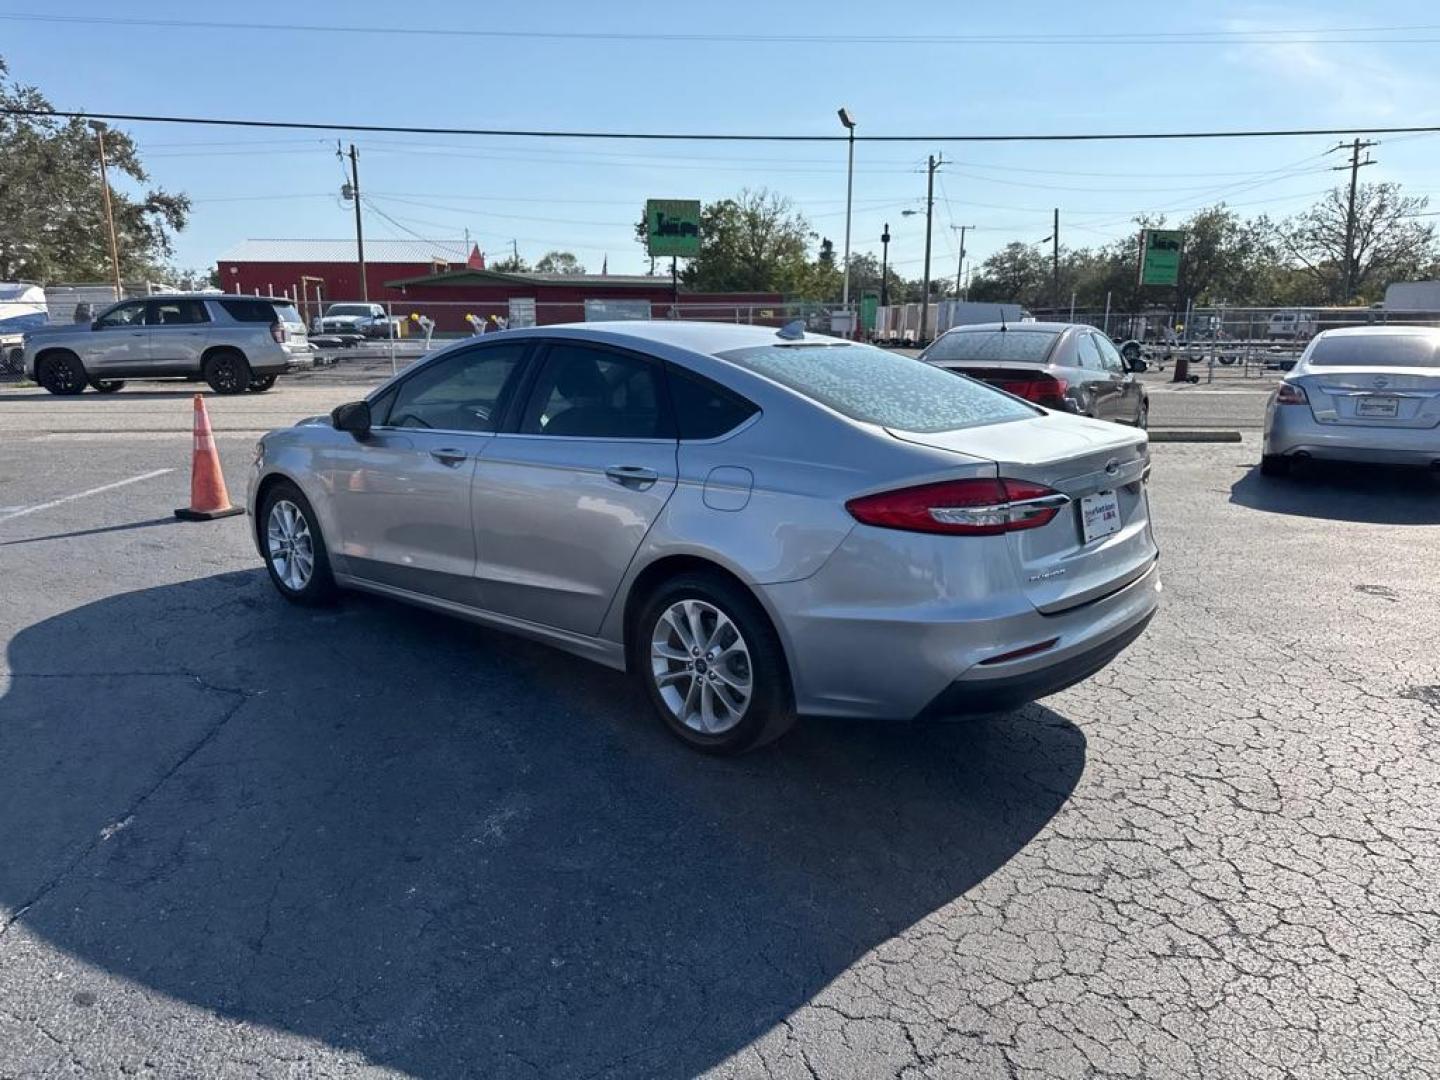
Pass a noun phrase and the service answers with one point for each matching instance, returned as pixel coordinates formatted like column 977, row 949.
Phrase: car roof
column 1051, row 327
column 1379, row 331
column 709, row 338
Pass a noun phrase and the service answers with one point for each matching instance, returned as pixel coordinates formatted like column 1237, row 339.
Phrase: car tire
column 728, row 616
column 1274, row 465
column 106, row 386
column 1142, row 418
column 227, row 372
column 289, row 531
column 260, row 383
column 62, row 374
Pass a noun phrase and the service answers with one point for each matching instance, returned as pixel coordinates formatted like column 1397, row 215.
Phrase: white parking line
column 82, row 494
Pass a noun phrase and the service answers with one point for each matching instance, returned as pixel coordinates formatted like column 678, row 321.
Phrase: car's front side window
column 124, row 315
column 466, row 392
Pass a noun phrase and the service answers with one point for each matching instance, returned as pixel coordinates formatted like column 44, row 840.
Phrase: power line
column 672, row 136
column 1285, row 36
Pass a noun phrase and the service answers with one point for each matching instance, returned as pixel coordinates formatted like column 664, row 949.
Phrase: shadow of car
column 1379, row 495
column 460, row 854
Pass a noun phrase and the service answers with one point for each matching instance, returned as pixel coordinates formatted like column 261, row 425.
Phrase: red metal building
column 446, row 282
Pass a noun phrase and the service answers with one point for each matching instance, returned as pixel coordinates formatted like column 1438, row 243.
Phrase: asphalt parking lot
column 238, row 838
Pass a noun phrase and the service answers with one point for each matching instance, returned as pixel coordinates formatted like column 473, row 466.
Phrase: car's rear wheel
column 62, row 373
column 712, row 665
column 1274, row 465
column 227, row 372
column 293, row 547
column 260, row 383
column 106, row 386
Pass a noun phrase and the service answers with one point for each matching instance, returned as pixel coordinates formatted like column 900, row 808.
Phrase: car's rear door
column 179, row 329
column 562, row 503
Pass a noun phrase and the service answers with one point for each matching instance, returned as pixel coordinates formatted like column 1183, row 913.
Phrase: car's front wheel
column 294, row 549
column 62, row 374
column 712, row 665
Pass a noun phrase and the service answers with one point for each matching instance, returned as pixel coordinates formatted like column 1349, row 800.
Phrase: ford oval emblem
column 1112, row 466
column 1381, row 381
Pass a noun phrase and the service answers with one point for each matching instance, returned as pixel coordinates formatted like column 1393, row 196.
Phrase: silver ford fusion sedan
column 1365, row 394
column 756, row 523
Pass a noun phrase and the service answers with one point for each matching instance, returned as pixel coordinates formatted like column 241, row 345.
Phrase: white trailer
column 1413, row 296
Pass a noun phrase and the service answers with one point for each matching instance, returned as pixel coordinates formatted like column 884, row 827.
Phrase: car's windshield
column 880, row 387
column 1032, row 345
column 1377, row 350
column 347, row 309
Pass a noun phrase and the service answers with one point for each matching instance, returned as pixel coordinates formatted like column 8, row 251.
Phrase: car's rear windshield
column 880, row 387
column 1377, row 350
column 989, row 345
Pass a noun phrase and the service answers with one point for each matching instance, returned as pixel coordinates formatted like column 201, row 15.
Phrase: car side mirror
column 353, row 417
column 1136, row 365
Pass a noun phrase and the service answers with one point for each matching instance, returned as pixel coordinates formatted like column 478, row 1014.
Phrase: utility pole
column 884, row 266
column 933, row 163
column 1055, row 261
column 849, row 122
column 109, row 211
column 960, row 265
column 359, row 227
column 1354, row 167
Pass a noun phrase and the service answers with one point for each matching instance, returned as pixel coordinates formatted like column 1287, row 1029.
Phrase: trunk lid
column 1057, row 567
column 1367, row 397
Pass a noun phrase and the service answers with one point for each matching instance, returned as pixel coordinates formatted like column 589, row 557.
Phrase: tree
column 50, row 190
column 511, row 264
column 1017, row 273
column 559, row 262
column 1391, row 240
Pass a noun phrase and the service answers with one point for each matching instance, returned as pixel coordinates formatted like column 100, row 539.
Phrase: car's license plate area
column 1099, row 515
column 1377, row 405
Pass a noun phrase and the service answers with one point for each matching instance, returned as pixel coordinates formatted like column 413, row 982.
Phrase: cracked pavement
column 242, row 839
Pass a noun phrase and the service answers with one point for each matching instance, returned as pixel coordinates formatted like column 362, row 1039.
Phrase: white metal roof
column 343, row 251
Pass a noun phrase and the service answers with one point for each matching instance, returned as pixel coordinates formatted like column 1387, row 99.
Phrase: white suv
column 235, row 343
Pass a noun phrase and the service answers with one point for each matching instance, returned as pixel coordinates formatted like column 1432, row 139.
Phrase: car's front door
column 562, row 503
column 401, row 495
column 1128, row 401
column 117, row 342
column 179, row 328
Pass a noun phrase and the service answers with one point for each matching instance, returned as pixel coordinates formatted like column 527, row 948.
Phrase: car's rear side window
column 249, row 310
column 880, row 387
column 1377, row 350
column 704, row 410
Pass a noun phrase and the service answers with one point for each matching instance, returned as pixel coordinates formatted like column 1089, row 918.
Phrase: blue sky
column 584, row 196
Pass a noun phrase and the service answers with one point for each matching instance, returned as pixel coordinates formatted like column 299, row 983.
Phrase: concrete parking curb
column 1197, row 435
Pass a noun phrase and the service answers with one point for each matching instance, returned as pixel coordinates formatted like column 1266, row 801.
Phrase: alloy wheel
column 701, row 666
column 291, row 547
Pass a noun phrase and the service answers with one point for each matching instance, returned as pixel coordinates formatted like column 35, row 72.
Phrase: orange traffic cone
column 208, row 497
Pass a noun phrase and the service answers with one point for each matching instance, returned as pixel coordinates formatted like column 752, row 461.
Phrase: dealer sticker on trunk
column 1099, row 515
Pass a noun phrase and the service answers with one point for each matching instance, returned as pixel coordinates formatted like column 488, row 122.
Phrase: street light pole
column 960, row 265
column 884, row 266
column 849, row 122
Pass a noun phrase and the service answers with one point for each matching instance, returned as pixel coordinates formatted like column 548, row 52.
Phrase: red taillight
column 1290, row 394
column 277, row 331
column 961, row 507
column 1044, row 390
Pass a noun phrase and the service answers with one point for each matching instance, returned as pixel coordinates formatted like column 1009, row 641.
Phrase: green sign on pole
column 869, row 305
column 1160, row 256
column 672, row 227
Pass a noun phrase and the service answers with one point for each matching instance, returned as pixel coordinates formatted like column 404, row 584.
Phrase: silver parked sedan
column 755, row 523
column 1365, row 393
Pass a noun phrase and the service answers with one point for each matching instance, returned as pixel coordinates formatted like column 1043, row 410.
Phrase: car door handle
column 632, row 475
column 137, row 333
column 448, row 456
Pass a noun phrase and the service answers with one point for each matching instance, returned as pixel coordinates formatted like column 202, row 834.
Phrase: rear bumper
column 899, row 663
column 1292, row 430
